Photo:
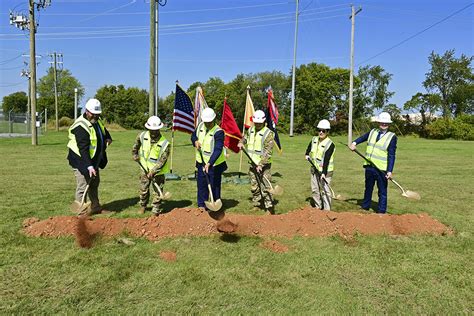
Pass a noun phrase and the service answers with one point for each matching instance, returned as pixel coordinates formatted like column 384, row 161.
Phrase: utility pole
column 26, row 73
column 22, row 22
column 153, row 94
column 351, row 78
column 151, row 106
column 55, row 62
column 75, row 104
column 293, row 79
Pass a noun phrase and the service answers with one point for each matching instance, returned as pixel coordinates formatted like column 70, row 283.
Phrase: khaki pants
column 255, row 189
column 92, row 192
column 145, row 184
column 322, row 202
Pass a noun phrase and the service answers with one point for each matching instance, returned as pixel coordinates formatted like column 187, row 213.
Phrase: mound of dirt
column 307, row 222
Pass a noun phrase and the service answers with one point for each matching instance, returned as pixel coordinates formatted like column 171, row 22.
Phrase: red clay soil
column 169, row 256
column 274, row 246
column 306, row 222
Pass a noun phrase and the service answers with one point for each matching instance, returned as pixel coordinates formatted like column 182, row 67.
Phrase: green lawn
column 383, row 274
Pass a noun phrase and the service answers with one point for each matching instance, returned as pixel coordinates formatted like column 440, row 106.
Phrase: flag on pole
column 183, row 114
column 249, row 110
column 199, row 105
column 272, row 117
column 231, row 130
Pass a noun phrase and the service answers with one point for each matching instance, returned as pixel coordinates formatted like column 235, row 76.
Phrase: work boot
column 271, row 210
column 142, row 210
column 156, row 211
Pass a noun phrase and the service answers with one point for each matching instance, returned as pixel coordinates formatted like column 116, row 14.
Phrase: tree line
column 321, row 92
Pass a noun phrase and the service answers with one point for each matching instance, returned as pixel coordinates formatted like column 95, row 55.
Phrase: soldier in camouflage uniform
column 259, row 142
column 151, row 150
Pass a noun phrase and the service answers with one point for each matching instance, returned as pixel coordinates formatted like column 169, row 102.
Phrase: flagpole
column 243, row 130
column 172, row 148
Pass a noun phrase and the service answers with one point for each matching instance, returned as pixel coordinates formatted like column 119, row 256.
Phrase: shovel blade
column 214, row 207
column 167, row 196
column 78, row 208
column 277, row 190
column 411, row 195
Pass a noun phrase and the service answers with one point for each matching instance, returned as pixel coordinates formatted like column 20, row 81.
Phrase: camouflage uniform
column 266, row 172
column 144, row 181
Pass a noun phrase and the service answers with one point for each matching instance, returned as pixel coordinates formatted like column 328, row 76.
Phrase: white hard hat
column 384, row 117
column 154, row 123
column 93, row 106
column 324, row 124
column 258, row 117
column 208, row 115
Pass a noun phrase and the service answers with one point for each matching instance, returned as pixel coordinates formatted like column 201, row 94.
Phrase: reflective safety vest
column 207, row 144
column 87, row 126
column 318, row 151
column 255, row 143
column 377, row 150
column 150, row 153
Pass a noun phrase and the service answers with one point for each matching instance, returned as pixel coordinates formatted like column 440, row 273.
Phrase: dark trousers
column 215, row 178
column 372, row 175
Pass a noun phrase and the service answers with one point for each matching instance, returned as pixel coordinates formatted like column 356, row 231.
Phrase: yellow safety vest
column 377, row 150
column 318, row 151
column 207, row 144
column 255, row 143
column 150, row 153
column 87, row 126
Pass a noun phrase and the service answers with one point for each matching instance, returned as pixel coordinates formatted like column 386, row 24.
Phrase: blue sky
column 107, row 42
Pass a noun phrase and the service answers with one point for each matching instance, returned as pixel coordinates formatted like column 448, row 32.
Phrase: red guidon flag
column 231, row 130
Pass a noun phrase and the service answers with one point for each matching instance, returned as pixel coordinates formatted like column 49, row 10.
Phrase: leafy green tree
column 426, row 104
column 65, row 85
column 320, row 93
column 17, row 101
column 125, row 106
column 452, row 79
column 371, row 90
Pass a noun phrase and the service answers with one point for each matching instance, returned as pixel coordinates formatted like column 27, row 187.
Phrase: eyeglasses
column 323, row 131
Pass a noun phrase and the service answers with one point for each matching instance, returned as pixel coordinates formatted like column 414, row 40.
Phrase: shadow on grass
column 168, row 206
column 120, row 205
column 230, row 238
column 229, row 203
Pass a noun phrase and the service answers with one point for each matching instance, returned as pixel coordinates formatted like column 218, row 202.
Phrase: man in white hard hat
column 259, row 142
column 151, row 149
column 88, row 140
column 209, row 139
column 321, row 152
column 381, row 149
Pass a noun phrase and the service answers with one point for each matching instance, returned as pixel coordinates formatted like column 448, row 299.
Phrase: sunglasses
column 323, row 131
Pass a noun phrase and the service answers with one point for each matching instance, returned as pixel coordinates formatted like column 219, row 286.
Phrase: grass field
column 409, row 275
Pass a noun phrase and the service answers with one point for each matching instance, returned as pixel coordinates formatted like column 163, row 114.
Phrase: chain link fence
column 19, row 124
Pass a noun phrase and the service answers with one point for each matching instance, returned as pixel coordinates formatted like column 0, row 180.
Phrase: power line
column 9, row 60
column 416, row 34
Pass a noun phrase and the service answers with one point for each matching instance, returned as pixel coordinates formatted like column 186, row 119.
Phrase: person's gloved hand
column 259, row 168
column 306, row 157
column 388, row 175
column 353, row 146
column 323, row 177
column 206, row 167
column 150, row 175
column 136, row 157
column 92, row 171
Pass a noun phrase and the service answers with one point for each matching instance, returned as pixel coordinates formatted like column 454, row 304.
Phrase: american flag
column 183, row 114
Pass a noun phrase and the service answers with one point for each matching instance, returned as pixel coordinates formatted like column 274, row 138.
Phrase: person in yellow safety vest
column 321, row 151
column 259, row 142
column 381, row 150
column 209, row 138
column 151, row 149
column 88, row 140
